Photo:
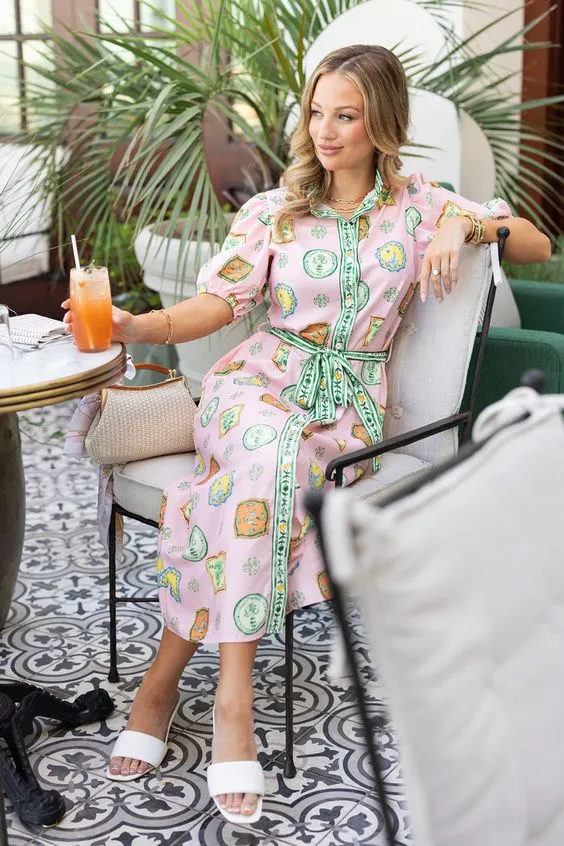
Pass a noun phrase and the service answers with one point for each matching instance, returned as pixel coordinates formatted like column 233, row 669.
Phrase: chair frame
column 334, row 473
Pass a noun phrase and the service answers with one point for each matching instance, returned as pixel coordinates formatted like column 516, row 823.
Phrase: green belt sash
column 327, row 381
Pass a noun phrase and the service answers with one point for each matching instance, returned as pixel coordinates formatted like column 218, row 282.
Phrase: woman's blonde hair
column 381, row 79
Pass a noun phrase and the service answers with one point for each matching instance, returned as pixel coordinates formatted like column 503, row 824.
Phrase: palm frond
column 137, row 155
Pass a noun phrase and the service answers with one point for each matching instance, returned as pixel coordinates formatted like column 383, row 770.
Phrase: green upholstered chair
column 527, row 333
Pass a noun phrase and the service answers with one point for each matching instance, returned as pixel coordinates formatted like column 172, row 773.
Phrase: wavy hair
column 381, row 79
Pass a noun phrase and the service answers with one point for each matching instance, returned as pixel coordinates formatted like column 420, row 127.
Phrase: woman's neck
column 351, row 184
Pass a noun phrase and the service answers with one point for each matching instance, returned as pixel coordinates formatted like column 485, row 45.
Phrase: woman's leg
column 234, row 736
column 157, row 696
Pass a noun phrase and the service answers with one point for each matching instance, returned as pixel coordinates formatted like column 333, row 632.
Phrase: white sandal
column 140, row 747
column 236, row 777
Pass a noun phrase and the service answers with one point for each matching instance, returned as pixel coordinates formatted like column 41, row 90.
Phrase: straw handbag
column 139, row 422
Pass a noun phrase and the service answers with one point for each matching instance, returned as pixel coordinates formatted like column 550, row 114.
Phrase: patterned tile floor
column 57, row 636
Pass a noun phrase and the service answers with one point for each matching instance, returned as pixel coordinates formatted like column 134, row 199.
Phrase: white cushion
column 23, row 257
column 505, row 313
column 396, row 468
column 139, row 485
column 462, row 586
column 24, row 210
column 430, row 358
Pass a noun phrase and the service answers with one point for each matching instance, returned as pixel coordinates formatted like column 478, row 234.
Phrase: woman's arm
column 191, row 319
column 526, row 243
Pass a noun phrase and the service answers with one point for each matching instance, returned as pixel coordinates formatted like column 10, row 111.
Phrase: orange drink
column 91, row 308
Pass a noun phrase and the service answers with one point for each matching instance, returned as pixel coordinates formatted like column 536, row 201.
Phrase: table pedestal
column 12, row 509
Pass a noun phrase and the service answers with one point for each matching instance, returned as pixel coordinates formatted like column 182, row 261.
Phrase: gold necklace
column 347, row 202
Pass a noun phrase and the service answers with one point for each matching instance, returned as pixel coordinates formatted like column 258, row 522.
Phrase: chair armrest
column 337, row 465
column 510, row 352
column 540, row 304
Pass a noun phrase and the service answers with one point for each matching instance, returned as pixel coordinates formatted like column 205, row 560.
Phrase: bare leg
column 157, row 696
column 234, row 737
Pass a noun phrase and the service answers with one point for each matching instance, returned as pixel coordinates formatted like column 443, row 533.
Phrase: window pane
column 116, row 15
column 150, row 19
column 38, row 54
column 9, row 88
column 35, row 15
column 8, row 19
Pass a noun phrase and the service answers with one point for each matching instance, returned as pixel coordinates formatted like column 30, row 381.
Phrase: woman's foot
column 150, row 713
column 234, row 740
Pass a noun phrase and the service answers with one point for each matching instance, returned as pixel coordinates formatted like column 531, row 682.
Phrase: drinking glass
column 91, row 308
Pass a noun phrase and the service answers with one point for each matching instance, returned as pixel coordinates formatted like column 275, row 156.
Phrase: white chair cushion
column 505, row 313
column 462, row 586
column 139, row 485
column 25, row 211
column 430, row 358
column 397, row 469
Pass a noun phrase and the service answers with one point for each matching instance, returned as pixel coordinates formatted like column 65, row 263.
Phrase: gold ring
column 435, row 271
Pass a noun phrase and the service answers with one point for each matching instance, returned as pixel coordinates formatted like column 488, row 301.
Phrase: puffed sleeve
column 431, row 205
column 239, row 272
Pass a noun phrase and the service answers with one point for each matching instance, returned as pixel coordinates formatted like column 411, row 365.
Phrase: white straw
column 75, row 251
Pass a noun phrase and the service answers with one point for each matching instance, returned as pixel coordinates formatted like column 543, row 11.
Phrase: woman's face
column 337, row 125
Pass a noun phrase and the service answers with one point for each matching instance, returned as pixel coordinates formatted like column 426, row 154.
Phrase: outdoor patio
column 57, row 637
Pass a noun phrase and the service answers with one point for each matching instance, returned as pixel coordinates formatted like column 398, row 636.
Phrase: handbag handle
column 158, row 368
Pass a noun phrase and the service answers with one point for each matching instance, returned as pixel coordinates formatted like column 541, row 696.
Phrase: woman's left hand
column 440, row 263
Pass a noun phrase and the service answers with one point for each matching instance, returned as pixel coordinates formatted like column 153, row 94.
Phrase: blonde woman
column 341, row 248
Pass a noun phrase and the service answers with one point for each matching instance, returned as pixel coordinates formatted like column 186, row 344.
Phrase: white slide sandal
column 140, row 747
column 237, row 777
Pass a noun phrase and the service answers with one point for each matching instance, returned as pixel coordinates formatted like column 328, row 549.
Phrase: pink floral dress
column 236, row 547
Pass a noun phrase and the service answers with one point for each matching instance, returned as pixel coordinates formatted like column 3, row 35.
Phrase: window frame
column 137, row 23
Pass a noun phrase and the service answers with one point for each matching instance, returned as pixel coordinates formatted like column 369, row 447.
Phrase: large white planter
column 160, row 272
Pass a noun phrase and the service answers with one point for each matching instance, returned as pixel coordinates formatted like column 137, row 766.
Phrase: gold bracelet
column 476, row 235
column 169, row 324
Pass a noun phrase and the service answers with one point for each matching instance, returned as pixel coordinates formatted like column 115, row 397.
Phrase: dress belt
column 328, row 380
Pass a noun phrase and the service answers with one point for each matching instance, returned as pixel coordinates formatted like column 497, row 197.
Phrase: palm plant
column 132, row 113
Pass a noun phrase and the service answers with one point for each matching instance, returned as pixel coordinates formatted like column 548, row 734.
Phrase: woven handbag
column 136, row 422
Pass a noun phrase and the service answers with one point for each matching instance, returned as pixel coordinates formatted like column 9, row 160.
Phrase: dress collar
column 379, row 195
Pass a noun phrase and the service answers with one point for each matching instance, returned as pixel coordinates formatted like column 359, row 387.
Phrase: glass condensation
column 35, row 15
column 9, row 88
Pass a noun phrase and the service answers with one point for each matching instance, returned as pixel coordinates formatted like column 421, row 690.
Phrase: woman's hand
column 440, row 263
column 123, row 324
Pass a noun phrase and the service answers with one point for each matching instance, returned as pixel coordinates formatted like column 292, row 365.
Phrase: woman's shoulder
column 276, row 197
column 265, row 202
column 418, row 184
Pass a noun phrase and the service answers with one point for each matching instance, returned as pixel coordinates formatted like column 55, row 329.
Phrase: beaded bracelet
column 169, row 324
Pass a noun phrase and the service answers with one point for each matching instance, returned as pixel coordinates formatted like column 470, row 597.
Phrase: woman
column 341, row 247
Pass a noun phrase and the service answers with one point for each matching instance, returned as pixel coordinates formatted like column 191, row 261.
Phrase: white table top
column 56, row 372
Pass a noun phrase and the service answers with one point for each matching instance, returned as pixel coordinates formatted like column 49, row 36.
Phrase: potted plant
column 134, row 116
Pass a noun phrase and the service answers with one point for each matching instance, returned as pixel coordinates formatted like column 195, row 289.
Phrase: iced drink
column 91, row 308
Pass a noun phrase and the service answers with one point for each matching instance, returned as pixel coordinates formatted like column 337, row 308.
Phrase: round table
column 28, row 379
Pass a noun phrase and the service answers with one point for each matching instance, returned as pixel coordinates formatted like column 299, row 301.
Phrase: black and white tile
column 57, row 636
